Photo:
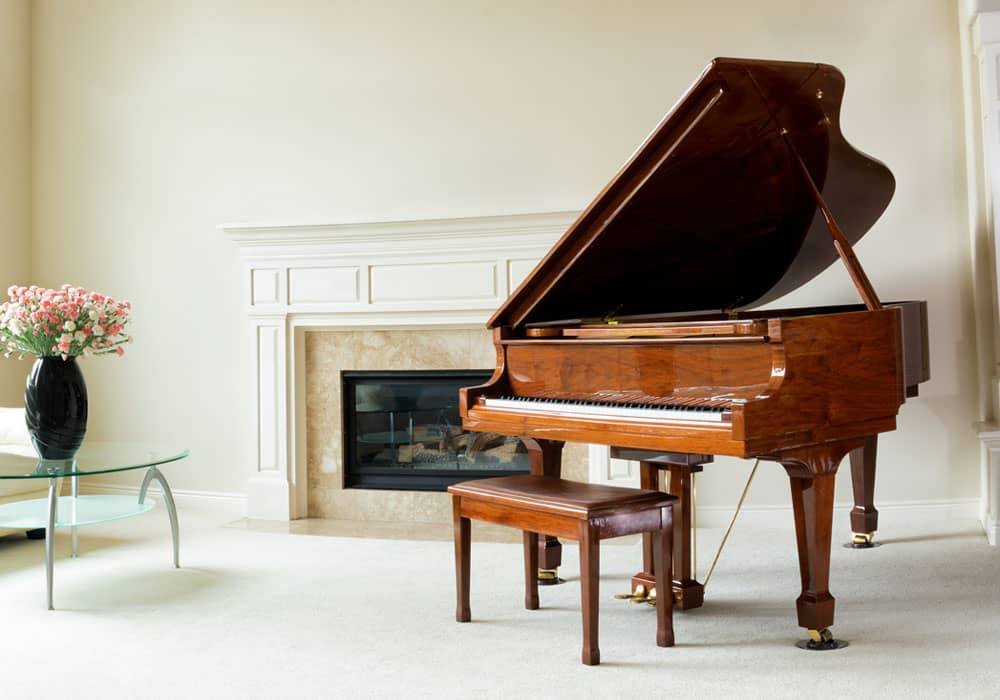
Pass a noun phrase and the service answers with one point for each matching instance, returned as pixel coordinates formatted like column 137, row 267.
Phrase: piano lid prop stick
column 731, row 523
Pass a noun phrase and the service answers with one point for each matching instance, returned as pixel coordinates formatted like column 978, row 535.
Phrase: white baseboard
column 992, row 528
column 762, row 517
column 779, row 516
column 206, row 499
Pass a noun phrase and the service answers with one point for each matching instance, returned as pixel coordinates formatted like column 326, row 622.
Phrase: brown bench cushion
column 550, row 494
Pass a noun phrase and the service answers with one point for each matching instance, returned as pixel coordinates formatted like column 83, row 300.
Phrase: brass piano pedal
column 821, row 640
column 549, row 577
column 639, row 595
column 651, row 598
column 862, row 540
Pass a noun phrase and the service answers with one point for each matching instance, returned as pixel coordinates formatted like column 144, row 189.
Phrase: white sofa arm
column 14, row 438
column 13, row 430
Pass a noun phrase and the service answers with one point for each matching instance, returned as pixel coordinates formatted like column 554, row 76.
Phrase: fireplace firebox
column 402, row 431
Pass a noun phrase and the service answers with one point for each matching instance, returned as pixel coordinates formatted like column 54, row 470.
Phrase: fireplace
column 361, row 288
column 402, row 431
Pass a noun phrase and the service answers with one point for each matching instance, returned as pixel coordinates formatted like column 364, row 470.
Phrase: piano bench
column 578, row 511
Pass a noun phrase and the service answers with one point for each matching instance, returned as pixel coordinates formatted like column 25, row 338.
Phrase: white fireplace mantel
column 403, row 274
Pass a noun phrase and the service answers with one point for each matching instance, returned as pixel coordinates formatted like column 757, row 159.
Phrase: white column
column 269, row 494
column 603, row 469
column 981, row 45
column 268, row 490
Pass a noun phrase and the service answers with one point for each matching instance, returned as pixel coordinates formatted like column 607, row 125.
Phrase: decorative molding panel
column 266, row 286
column 268, row 366
column 473, row 281
column 517, row 270
column 319, row 285
column 989, row 438
column 402, row 274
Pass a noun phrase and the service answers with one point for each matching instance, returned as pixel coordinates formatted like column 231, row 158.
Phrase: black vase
column 55, row 407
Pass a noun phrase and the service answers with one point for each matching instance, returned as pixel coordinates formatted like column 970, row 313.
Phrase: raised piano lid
column 713, row 212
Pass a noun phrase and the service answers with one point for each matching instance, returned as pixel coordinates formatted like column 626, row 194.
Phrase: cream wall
column 15, row 170
column 156, row 121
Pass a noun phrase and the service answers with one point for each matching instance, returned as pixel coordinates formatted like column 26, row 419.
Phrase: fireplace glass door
column 402, row 431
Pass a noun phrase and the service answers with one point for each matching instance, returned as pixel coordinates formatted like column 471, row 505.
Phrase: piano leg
column 688, row 593
column 545, row 459
column 812, row 472
column 864, row 517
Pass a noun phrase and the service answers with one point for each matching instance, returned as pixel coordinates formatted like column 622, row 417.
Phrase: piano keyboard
column 600, row 408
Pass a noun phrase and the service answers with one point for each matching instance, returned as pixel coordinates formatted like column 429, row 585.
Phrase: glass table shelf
column 70, row 511
column 74, row 511
column 20, row 462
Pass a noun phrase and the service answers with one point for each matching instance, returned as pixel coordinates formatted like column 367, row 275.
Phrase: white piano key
column 591, row 408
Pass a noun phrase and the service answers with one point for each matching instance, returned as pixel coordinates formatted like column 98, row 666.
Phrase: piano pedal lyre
column 549, row 577
column 638, row 595
column 821, row 640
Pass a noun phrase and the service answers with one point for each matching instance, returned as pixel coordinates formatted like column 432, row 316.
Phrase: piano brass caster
column 823, row 635
column 549, row 577
column 639, row 595
column 862, row 540
column 821, row 640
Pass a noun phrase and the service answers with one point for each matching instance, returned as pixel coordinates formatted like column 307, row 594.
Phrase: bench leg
column 590, row 573
column 462, row 564
column 530, row 570
column 663, row 544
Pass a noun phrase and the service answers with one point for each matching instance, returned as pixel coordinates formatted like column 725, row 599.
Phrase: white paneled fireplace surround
column 426, row 276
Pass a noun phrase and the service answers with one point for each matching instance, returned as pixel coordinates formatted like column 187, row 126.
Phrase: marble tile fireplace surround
column 383, row 296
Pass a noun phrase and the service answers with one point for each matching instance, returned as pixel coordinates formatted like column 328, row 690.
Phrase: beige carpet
column 257, row 614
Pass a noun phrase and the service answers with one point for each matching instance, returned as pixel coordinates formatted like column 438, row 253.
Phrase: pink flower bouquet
column 65, row 322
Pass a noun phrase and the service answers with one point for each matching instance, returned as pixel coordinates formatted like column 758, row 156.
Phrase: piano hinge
column 730, row 311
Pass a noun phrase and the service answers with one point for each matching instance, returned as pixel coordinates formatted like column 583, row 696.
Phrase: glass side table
column 75, row 511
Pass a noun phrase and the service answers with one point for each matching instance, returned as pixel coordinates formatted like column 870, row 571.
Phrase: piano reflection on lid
column 635, row 330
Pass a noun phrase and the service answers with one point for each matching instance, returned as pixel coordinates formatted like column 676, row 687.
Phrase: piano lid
column 713, row 212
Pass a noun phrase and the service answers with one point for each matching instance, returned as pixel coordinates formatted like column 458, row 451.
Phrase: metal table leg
column 168, row 498
column 50, row 536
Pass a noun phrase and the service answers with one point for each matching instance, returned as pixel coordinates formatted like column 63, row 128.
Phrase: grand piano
column 640, row 328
